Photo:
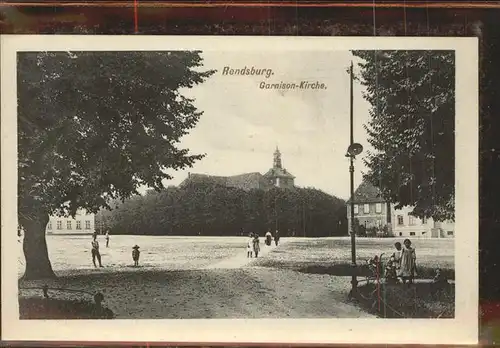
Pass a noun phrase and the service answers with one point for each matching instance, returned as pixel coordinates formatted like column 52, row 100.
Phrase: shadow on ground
column 346, row 270
column 48, row 308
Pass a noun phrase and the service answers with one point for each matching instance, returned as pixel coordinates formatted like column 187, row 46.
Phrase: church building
column 276, row 176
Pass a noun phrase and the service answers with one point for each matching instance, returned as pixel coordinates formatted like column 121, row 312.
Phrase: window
column 87, row 224
column 424, row 220
column 49, row 225
column 400, row 220
column 366, row 209
column 59, row 225
column 450, row 233
column 378, row 208
column 411, row 220
column 78, row 225
column 412, row 233
column 68, row 225
column 355, row 209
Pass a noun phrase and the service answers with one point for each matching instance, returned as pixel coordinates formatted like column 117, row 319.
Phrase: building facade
column 83, row 223
column 374, row 213
column 371, row 211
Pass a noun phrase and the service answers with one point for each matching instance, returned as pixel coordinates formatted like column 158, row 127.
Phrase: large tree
column 95, row 126
column 412, row 128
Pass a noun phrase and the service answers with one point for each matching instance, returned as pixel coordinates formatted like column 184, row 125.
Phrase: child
column 396, row 257
column 439, row 283
column 95, row 251
column 107, row 239
column 373, row 264
column 135, row 255
column 250, row 246
column 269, row 238
column 256, row 246
column 408, row 263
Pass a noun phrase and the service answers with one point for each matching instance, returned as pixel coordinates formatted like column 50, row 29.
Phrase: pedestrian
column 250, row 245
column 396, row 257
column 276, row 237
column 390, row 271
column 95, row 251
column 135, row 255
column 408, row 262
column 439, row 283
column 107, row 238
column 256, row 246
column 269, row 238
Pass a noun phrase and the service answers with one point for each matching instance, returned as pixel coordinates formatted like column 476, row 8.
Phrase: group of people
column 402, row 263
column 253, row 244
column 96, row 254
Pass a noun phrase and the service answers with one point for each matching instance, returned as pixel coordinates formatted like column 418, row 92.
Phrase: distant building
column 83, row 223
column 277, row 176
column 371, row 210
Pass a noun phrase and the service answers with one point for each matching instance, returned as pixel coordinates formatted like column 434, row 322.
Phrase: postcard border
column 310, row 331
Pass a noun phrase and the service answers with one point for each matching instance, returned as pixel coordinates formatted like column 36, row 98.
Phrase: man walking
column 95, row 251
column 276, row 237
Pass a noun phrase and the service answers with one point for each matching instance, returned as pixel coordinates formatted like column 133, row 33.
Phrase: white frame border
column 463, row 329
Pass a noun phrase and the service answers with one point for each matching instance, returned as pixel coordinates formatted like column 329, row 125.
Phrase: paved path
column 241, row 260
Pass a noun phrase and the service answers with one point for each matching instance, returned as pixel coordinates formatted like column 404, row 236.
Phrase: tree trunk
column 35, row 248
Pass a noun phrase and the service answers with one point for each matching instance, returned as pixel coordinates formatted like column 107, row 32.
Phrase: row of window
column 366, row 208
column 69, row 225
column 449, row 233
column 378, row 210
column 411, row 220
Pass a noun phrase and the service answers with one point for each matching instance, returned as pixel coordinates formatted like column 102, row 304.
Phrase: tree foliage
column 212, row 210
column 95, row 126
column 412, row 128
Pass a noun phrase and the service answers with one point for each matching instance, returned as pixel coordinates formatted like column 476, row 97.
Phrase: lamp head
column 354, row 150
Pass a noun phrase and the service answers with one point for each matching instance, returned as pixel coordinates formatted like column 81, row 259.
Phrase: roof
column 246, row 181
column 279, row 172
column 204, row 178
column 367, row 193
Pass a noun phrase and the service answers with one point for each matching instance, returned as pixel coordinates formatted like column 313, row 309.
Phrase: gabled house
column 372, row 212
column 370, row 209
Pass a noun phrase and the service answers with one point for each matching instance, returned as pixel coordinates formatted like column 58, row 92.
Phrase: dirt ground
column 230, row 286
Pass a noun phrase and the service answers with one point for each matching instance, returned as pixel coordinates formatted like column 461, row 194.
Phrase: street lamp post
column 353, row 150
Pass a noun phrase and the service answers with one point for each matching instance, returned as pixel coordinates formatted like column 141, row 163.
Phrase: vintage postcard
column 239, row 189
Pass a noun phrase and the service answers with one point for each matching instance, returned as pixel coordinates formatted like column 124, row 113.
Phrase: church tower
column 277, row 158
column 277, row 175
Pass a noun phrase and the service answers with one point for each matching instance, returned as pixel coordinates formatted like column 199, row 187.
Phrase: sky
column 242, row 125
